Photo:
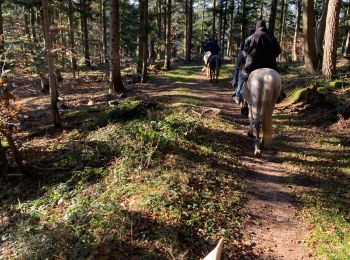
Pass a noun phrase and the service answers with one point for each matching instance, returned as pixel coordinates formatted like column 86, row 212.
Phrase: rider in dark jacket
column 213, row 47
column 261, row 51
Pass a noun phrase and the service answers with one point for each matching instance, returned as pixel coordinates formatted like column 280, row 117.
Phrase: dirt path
column 273, row 228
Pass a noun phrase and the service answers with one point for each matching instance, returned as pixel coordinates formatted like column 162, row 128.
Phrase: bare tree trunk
column 189, row 30
column 346, row 53
column 346, row 47
column 230, row 44
column 272, row 19
column 104, row 36
column 85, row 29
column 116, row 83
column 74, row 63
column 220, row 21
column 331, row 39
column 283, row 28
column 145, row 47
column 261, row 9
column 296, row 32
column 244, row 21
column 50, row 63
column 281, row 19
column 309, row 36
column 320, row 30
column 2, row 39
column 32, row 24
column 214, row 19
column 224, row 30
column 3, row 162
column 168, row 36
column 202, row 24
column 15, row 152
column 142, row 37
column 26, row 23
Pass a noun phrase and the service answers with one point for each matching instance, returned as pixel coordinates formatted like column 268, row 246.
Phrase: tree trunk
column 74, row 63
column 189, row 31
column 32, row 24
column 26, row 23
column 220, row 21
column 272, row 19
column 104, row 36
column 85, row 30
column 2, row 39
column 50, row 64
column 283, row 28
column 145, row 47
column 224, row 30
column 3, row 162
column 281, row 19
column 116, row 83
column 346, row 53
column 309, row 36
column 320, row 30
column 231, row 46
column 346, row 45
column 244, row 20
column 214, row 19
column 331, row 39
column 202, row 24
column 142, row 37
column 296, row 32
column 152, row 51
column 261, row 9
column 168, row 36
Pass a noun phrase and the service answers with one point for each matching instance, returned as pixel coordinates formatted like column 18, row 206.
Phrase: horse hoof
column 257, row 153
column 251, row 135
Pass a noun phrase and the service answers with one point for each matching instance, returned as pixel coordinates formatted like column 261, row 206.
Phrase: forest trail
column 273, row 228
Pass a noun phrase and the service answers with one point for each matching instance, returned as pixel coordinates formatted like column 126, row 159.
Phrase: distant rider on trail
column 211, row 48
column 261, row 50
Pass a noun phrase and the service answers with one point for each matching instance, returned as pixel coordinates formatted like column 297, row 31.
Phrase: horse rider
column 211, row 46
column 261, row 50
column 240, row 63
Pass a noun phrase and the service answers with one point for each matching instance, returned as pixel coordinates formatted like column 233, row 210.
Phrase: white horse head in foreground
column 261, row 93
column 216, row 253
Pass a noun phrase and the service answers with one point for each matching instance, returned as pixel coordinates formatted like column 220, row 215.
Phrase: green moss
column 298, row 93
column 336, row 84
column 323, row 90
column 4, row 144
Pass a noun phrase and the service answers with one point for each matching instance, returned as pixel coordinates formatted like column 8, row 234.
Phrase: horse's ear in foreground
column 261, row 92
column 216, row 253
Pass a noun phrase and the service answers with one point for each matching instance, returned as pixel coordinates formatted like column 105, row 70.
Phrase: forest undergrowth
column 127, row 181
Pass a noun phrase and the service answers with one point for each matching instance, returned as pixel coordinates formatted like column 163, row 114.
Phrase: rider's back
column 261, row 49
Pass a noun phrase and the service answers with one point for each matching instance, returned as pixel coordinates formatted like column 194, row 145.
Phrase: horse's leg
column 251, row 123
column 257, row 151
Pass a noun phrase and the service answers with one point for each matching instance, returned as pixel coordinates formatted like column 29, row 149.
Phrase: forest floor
column 171, row 169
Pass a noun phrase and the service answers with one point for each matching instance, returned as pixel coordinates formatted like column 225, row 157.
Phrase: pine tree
column 331, row 39
column 116, row 83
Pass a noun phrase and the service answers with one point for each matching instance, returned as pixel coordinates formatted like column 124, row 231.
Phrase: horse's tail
column 272, row 86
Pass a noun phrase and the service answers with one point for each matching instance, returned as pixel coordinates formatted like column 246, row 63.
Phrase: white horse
column 261, row 92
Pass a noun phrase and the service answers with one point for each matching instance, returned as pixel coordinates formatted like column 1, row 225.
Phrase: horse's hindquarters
column 261, row 92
